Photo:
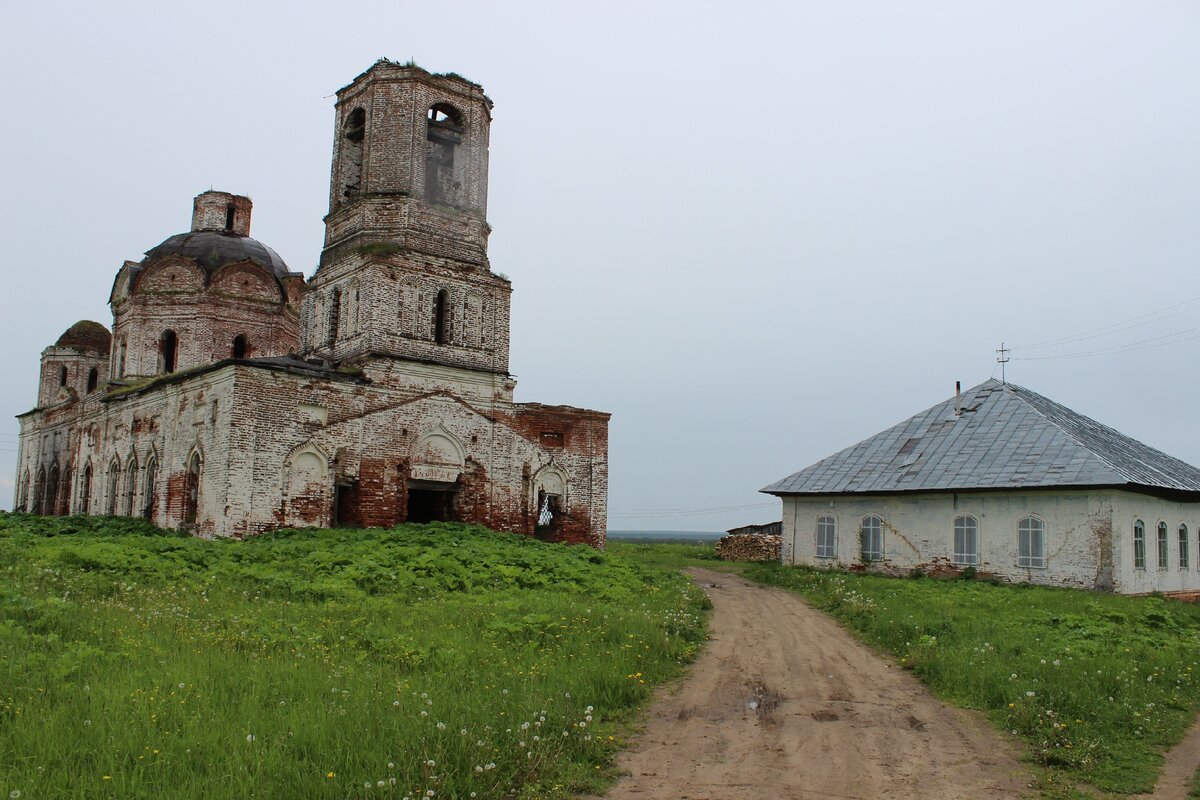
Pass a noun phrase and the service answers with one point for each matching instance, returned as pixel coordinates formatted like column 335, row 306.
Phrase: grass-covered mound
column 437, row 660
column 1098, row 685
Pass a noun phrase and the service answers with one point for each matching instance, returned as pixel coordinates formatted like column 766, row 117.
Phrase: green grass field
column 425, row 661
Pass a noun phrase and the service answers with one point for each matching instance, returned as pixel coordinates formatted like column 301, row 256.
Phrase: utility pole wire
column 1116, row 327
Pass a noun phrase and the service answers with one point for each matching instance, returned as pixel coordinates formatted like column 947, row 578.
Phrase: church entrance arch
column 433, row 481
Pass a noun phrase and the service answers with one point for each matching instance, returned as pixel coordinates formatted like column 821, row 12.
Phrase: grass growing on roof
column 1097, row 685
column 439, row 658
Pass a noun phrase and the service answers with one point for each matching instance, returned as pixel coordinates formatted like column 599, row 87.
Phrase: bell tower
column 410, row 162
column 404, row 271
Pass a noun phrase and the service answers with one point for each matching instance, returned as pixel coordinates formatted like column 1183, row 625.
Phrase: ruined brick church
column 232, row 396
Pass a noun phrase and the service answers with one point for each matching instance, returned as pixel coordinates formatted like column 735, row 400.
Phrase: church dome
column 214, row 249
column 86, row 335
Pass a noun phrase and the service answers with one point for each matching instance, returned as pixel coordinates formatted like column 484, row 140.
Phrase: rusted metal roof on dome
column 1004, row 437
column 86, row 335
column 214, row 249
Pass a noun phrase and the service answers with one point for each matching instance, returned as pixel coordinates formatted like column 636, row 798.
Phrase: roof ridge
column 1066, row 432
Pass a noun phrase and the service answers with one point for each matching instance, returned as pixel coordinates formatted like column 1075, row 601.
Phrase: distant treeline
column 689, row 537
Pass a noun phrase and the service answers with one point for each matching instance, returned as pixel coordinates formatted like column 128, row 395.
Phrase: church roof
column 86, row 335
column 214, row 249
column 1005, row 437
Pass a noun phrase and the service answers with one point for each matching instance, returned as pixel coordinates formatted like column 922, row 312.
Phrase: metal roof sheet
column 1006, row 437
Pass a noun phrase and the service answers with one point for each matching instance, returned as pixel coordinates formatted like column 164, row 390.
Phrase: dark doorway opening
column 345, row 506
column 429, row 502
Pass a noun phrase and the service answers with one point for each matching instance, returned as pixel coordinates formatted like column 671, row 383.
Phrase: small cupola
column 221, row 211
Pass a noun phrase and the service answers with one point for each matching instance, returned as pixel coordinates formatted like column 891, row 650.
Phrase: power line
column 1142, row 344
column 1115, row 327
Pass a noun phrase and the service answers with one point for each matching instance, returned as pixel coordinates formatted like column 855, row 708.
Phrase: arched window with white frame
column 966, row 540
column 871, row 538
column 1031, row 543
column 826, row 537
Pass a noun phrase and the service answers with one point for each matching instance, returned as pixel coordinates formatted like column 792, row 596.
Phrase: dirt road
column 783, row 703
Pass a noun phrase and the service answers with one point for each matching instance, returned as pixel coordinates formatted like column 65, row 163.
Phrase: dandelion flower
column 15, row 793
column 250, row 737
column 380, row 784
column 431, row 763
column 366, row 784
column 391, row 765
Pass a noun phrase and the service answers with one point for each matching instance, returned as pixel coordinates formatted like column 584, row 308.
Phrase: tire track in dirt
column 784, row 703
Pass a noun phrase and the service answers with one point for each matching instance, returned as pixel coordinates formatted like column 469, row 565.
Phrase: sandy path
column 1179, row 765
column 783, row 703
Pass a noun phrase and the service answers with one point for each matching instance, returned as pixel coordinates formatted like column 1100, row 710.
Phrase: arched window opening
column 192, row 494
column 62, row 376
column 966, row 540
column 39, row 493
column 23, row 493
column 230, row 212
column 85, row 491
column 120, row 359
column 871, row 535
column 444, row 134
column 354, row 131
column 1162, row 546
column 826, row 537
column 114, row 485
column 93, row 380
column 1139, row 545
column 149, row 493
column 1183, row 547
column 441, row 314
column 51, row 502
column 1031, row 543
column 167, row 351
column 130, row 488
column 335, row 313
column 239, row 346
column 64, row 501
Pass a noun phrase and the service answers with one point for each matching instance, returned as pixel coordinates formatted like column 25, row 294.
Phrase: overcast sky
column 756, row 233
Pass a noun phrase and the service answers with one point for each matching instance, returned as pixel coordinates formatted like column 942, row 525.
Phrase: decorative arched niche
column 438, row 456
column 307, row 487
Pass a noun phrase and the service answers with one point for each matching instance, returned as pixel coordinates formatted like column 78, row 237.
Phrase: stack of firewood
column 749, row 547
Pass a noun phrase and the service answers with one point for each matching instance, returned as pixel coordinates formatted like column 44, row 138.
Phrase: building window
column 335, row 315
column 93, row 379
column 826, row 537
column 444, row 134
column 149, row 498
column 1183, row 547
column 114, row 485
column 1162, row 545
column 871, row 537
column 191, row 498
column 1031, row 544
column 354, row 131
column 62, row 376
column 1139, row 545
column 130, row 488
column 441, row 315
column 239, row 346
column 85, row 491
column 167, row 349
column 966, row 540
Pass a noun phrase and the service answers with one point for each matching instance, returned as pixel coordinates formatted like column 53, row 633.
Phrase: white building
column 1008, row 482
